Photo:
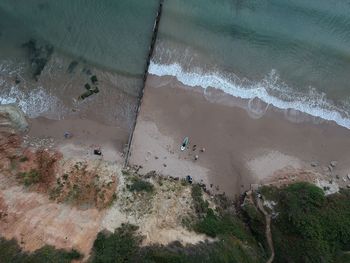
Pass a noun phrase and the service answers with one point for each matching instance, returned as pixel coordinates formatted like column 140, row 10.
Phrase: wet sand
column 240, row 150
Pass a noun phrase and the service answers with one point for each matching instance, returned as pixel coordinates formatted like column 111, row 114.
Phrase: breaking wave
column 34, row 103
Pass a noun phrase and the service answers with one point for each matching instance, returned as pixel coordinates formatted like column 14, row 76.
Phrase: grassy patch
column 119, row 246
column 200, row 206
column 13, row 164
column 55, row 192
column 215, row 225
column 318, row 226
column 29, row 178
column 139, row 185
column 256, row 222
column 269, row 193
column 11, row 252
column 124, row 246
column 73, row 194
column 23, row 159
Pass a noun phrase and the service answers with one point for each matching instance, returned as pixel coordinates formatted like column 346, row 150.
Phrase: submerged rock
column 38, row 55
column 72, row 66
column 86, row 94
column 89, row 92
column 17, row 80
column 86, row 71
column 87, row 86
column 94, row 79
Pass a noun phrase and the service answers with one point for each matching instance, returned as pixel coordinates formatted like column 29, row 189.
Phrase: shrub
column 139, row 185
column 119, row 246
column 209, row 225
column 200, row 206
column 30, row 178
column 318, row 226
column 11, row 252
column 215, row 225
column 256, row 222
column 50, row 254
column 124, row 246
column 23, row 159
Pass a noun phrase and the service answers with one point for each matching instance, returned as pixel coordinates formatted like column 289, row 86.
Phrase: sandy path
column 267, row 230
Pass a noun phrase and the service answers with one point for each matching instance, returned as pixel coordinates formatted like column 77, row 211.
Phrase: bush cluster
column 11, row 253
column 139, row 185
column 317, row 226
column 124, row 246
column 29, row 178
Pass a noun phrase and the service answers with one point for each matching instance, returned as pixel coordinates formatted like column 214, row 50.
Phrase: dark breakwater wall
column 150, row 53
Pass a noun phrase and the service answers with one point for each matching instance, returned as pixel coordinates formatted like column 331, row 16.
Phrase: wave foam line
column 34, row 103
column 215, row 80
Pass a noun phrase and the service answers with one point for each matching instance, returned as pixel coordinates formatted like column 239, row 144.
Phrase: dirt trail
column 268, row 229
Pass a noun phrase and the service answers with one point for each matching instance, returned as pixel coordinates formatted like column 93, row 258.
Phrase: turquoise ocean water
column 289, row 53
column 109, row 33
column 111, row 36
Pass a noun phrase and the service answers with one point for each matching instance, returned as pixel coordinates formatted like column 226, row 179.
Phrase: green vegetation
column 124, row 246
column 200, row 206
column 120, row 246
column 74, row 193
column 30, row 178
column 13, row 163
column 139, row 185
column 256, row 222
column 23, row 159
column 11, row 252
column 65, row 176
column 317, row 226
column 214, row 225
column 308, row 227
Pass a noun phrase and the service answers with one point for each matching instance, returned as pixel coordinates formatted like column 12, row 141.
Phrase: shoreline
column 260, row 90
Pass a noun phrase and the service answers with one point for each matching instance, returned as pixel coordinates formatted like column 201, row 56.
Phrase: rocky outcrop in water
column 12, row 119
column 39, row 55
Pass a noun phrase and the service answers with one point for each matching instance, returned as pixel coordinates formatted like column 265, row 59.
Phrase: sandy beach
column 240, row 149
column 84, row 137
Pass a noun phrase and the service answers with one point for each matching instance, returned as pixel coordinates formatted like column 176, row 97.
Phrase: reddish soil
column 31, row 212
column 81, row 185
column 288, row 176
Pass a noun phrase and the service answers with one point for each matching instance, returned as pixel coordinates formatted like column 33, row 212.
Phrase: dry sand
column 85, row 136
column 241, row 149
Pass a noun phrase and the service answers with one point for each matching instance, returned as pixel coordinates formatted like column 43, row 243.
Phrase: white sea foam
column 314, row 104
column 34, row 103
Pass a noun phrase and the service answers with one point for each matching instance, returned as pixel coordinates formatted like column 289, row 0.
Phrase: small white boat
column 184, row 144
